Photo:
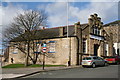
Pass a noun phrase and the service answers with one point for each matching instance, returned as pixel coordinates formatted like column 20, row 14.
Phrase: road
column 110, row 71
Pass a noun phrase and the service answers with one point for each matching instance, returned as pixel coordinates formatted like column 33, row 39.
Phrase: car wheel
column 93, row 65
column 105, row 64
column 117, row 63
column 83, row 66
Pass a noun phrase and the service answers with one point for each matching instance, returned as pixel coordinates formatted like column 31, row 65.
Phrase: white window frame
column 96, row 31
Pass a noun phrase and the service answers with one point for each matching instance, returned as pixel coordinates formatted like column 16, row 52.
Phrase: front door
column 96, row 46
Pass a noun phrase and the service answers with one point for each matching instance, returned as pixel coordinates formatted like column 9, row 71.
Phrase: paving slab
column 21, row 72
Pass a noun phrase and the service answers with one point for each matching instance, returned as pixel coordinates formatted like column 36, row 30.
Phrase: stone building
column 68, row 48
column 112, row 30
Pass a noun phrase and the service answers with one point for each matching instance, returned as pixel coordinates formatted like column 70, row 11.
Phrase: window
column 84, row 46
column 87, row 58
column 106, row 50
column 96, row 31
column 95, row 58
column 51, row 46
column 100, row 58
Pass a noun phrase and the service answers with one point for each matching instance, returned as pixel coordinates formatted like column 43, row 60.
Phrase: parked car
column 93, row 61
column 113, row 59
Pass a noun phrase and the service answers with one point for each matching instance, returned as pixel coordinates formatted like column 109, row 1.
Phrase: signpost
column 44, row 51
column 41, row 48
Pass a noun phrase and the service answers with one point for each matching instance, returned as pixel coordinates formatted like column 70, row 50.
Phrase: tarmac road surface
column 110, row 71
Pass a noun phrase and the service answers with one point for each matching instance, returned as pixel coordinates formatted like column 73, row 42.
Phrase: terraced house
column 68, row 48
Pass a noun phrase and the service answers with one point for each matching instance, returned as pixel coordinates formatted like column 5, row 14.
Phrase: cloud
column 1, row 14
column 60, row 0
column 57, row 13
column 8, row 13
column 103, row 0
column 6, row 16
column 106, row 10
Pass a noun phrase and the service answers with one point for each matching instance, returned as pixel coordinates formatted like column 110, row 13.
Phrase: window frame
column 96, row 31
column 84, row 45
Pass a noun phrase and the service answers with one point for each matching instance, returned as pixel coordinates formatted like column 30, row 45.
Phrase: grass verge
column 33, row 65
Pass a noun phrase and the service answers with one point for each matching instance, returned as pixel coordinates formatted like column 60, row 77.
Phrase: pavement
column 8, row 73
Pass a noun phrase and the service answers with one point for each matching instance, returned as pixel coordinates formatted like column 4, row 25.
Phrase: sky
column 57, row 11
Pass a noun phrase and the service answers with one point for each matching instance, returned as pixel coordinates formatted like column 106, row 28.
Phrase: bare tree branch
column 24, row 27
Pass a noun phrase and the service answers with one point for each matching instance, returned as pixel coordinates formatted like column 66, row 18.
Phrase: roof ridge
column 113, row 22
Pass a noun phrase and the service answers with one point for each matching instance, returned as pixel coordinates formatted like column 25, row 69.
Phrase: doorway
column 96, row 46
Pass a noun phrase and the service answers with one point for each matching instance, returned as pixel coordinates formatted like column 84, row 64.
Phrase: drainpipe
column 78, row 58
column 81, row 46
column 69, row 62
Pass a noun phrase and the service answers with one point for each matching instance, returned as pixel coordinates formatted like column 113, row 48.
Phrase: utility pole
column 69, row 40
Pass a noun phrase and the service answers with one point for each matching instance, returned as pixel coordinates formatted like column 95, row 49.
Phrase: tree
column 24, row 28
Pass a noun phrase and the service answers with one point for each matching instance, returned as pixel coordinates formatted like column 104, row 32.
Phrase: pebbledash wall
column 65, row 49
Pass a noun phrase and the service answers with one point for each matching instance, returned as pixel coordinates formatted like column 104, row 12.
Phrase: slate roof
column 117, row 22
column 49, row 33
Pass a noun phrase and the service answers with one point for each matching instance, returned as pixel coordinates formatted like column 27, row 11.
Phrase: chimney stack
column 61, row 31
column 76, row 27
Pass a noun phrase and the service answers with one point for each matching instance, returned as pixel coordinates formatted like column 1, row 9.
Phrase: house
column 69, row 48
column 113, row 29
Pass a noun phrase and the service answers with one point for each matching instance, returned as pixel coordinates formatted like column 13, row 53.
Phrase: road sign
column 44, row 49
column 44, row 45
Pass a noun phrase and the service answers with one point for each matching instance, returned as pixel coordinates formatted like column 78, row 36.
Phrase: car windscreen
column 110, row 57
column 87, row 58
column 95, row 58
